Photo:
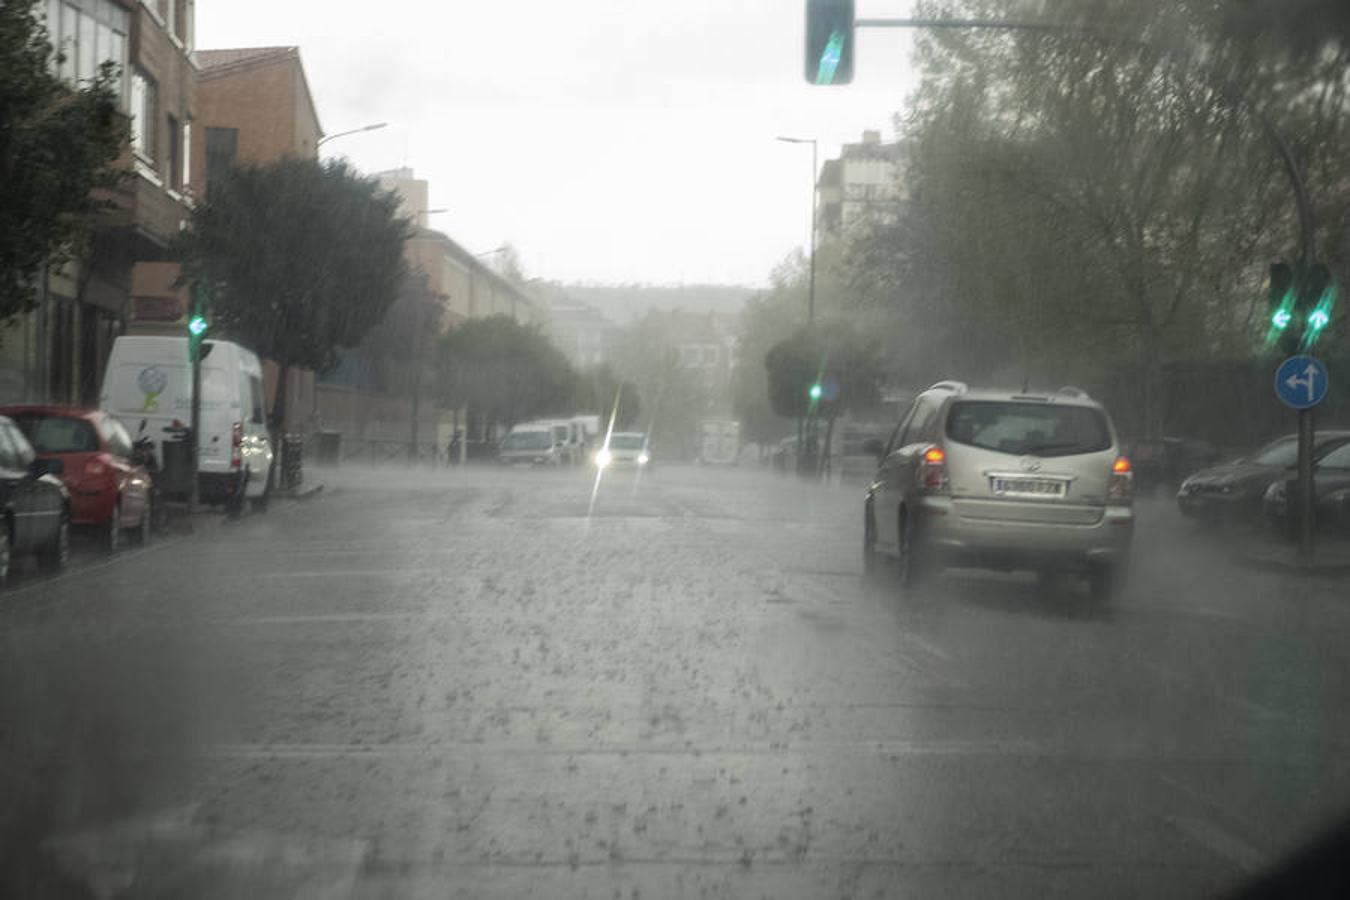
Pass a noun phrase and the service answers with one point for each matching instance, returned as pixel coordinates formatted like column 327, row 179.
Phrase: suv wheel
column 911, row 564
column 1104, row 580
column 871, row 564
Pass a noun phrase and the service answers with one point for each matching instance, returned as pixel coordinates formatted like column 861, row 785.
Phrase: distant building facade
column 864, row 181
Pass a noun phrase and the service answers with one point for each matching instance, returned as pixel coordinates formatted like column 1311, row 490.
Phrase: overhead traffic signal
column 815, row 391
column 829, row 41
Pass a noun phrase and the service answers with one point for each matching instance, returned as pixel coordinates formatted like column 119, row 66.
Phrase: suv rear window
column 1035, row 429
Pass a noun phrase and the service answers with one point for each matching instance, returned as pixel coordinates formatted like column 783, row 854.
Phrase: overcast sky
column 609, row 140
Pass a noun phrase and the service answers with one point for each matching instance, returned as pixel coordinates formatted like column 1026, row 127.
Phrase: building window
column 175, row 154
column 187, row 154
column 144, row 109
column 222, row 144
column 87, row 36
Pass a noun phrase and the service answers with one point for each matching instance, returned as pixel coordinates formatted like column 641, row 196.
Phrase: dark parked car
column 33, row 502
column 1331, row 496
column 1234, row 491
column 1163, row 463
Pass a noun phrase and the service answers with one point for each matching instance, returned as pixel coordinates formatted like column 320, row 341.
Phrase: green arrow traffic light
column 829, row 41
column 197, row 325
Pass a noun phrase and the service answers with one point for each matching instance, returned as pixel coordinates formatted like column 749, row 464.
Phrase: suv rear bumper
column 1012, row 544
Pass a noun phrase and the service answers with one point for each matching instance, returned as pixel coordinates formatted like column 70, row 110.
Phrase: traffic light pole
column 195, row 421
column 1303, row 491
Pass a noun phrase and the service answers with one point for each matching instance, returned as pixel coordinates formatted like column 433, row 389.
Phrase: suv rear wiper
column 1038, row 449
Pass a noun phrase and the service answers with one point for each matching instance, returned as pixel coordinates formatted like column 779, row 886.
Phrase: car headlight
column 643, row 459
column 603, row 458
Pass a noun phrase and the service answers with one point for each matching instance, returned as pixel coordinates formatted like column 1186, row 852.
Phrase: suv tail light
column 237, row 445
column 933, row 471
column 1120, row 487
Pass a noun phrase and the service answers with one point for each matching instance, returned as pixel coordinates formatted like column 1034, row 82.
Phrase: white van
column 568, row 435
column 148, row 380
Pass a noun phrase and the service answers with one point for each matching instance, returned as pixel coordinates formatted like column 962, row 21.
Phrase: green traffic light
column 197, row 326
column 1281, row 319
column 815, row 391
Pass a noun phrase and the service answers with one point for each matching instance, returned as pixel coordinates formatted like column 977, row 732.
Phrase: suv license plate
column 1028, row 487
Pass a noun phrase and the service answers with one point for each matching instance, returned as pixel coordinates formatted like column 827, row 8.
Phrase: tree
column 57, row 144
column 402, row 345
column 300, row 259
column 821, row 372
column 676, row 396
column 503, row 371
column 1078, row 207
column 597, row 389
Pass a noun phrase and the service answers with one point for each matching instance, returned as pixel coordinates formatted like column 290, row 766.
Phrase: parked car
column 627, row 449
column 90, row 452
column 1234, row 491
column 1163, row 463
column 532, row 445
column 1331, row 496
column 34, row 504
column 1002, row 480
column 148, row 378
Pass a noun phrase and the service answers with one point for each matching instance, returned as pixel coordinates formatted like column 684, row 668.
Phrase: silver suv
column 1002, row 480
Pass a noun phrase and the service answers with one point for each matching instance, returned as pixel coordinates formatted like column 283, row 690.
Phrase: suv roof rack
column 1070, row 391
column 956, row 387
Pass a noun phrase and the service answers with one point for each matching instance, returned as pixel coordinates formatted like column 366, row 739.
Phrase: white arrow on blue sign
column 1301, row 382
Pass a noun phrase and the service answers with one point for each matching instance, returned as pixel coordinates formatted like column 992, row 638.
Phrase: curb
column 1290, row 564
column 304, row 492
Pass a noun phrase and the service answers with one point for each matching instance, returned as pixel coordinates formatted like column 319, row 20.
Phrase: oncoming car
column 530, row 446
column 1002, row 480
column 626, row 449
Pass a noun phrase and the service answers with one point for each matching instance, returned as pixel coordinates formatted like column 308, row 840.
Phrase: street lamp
column 417, row 216
column 328, row 137
column 811, row 297
column 491, row 252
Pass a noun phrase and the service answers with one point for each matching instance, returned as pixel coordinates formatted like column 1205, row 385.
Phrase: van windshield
column 526, row 440
column 1033, row 429
column 164, row 389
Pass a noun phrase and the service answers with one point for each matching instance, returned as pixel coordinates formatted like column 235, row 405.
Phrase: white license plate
column 1028, row 487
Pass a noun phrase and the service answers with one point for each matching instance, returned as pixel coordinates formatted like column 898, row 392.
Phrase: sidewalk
column 1331, row 556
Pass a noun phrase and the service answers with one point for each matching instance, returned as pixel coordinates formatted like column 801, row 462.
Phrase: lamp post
column 811, row 296
column 329, row 137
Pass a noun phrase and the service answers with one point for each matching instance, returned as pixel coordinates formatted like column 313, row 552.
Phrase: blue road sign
column 1301, row 382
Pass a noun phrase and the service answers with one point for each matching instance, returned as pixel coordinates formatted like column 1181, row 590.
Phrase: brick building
column 58, row 352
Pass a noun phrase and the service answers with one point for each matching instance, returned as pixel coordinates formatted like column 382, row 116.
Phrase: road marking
column 928, row 647
column 1221, row 843
column 1250, row 707
column 349, row 573
column 891, row 749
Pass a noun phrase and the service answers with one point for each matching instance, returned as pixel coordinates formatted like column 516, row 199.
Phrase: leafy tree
column 504, row 371
column 597, row 389
column 1078, row 206
column 300, row 259
column 842, row 366
column 57, row 144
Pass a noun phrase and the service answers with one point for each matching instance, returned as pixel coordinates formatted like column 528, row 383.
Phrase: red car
column 91, row 450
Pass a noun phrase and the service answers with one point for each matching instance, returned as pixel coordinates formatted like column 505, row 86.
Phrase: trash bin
column 329, row 445
column 292, row 460
column 175, row 475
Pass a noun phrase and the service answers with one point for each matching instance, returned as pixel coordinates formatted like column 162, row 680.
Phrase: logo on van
column 152, row 381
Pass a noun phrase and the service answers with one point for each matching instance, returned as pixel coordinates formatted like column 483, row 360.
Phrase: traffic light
column 815, row 391
column 829, row 41
column 1300, row 299
column 197, row 325
column 1317, row 296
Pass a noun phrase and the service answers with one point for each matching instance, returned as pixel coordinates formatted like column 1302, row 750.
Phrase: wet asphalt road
column 457, row 684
